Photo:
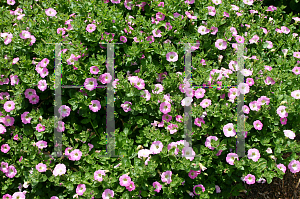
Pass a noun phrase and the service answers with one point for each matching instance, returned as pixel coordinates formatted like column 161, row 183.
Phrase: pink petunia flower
column 231, row 157
column 41, row 144
column 124, row 180
column 229, row 130
column 91, row 27
column 5, row 148
column 95, row 106
column 253, row 154
column 41, row 167
column 250, row 179
column 64, row 111
column 50, row 12
column 107, row 194
column 166, row 177
column 196, row 187
column 75, row 155
column 157, row 186
column 80, row 189
column 98, row 175
column 221, row 44
column 90, row 83
column 60, row 169
column 9, row 106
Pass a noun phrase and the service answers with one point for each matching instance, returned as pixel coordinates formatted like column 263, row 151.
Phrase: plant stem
column 95, row 130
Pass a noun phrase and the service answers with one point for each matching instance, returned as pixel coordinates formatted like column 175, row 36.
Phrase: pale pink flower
column 282, row 112
column 188, row 153
column 14, row 80
column 221, row 44
column 40, row 128
column 105, row 78
column 165, row 107
column 60, row 169
column 211, row 11
column 42, row 85
column 203, row 30
column 94, row 70
column 25, row 118
column 91, row 28
column 157, row 186
column 107, row 194
column 205, row 103
column 124, row 180
column 25, row 34
column 231, row 157
column 208, row 142
column 41, row 167
column 144, row 153
column 126, row 106
column 172, row 128
column 229, row 130
column 253, row 154
column 166, row 177
column 50, row 12
column 296, row 54
column 18, row 195
column 140, row 84
column 64, row 111
column 5, row 148
column 9, row 106
column 95, row 106
column 296, row 94
column 75, row 155
column 61, row 126
column 8, row 121
column 186, row 101
column 281, row 167
column 80, row 189
column 217, row 2
column 158, row 89
column 90, row 83
column 156, row 147
column 98, row 175
column 257, row 125
column 41, row 144
column 290, row 134
column 172, row 56
column 250, row 179
column 2, row 129
column 10, row 2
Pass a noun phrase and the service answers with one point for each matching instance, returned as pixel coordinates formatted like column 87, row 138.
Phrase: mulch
column 287, row 188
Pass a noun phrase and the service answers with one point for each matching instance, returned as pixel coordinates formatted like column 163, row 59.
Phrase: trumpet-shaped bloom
column 166, row 177
column 95, row 106
column 250, row 179
column 60, row 169
column 107, row 194
column 229, row 130
column 124, row 180
column 9, row 106
column 253, row 154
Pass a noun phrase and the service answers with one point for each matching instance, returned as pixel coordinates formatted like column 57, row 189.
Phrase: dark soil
column 287, row 188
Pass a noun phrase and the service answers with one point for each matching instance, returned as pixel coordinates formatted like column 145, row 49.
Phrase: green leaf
column 85, row 121
column 126, row 162
column 126, row 195
column 144, row 194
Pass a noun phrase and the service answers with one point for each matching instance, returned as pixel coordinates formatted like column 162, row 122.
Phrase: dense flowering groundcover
column 150, row 89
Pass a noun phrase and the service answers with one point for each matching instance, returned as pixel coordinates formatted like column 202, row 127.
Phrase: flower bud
column 139, row 147
column 283, row 102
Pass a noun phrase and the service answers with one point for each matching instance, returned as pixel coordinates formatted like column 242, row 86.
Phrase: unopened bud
column 139, row 147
